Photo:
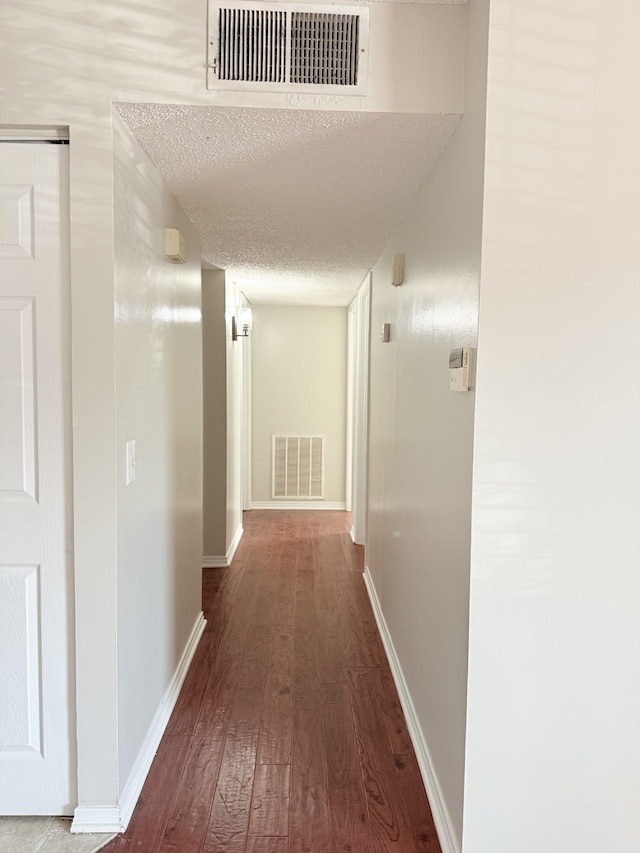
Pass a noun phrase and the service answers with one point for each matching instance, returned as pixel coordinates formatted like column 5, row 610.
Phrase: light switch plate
column 460, row 369
column 385, row 333
column 131, row 461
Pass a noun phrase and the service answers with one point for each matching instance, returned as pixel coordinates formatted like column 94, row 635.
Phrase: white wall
column 64, row 65
column 214, row 352
column 553, row 742
column 359, row 425
column 421, row 442
column 236, row 352
column 223, row 408
column 299, row 387
column 158, row 360
column 127, row 51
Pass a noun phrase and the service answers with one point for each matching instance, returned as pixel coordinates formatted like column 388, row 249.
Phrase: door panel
column 37, row 761
column 17, row 413
column 16, row 221
column 19, row 635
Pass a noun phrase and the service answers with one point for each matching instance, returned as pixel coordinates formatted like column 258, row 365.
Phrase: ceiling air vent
column 288, row 47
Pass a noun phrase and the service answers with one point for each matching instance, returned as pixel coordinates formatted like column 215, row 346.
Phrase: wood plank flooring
column 288, row 735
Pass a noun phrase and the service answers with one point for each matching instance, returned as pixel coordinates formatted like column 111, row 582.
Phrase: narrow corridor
column 288, row 736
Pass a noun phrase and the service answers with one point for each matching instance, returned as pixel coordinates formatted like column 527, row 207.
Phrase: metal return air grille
column 293, row 47
column 297, row 466
column 251, row 45
column 324, row 49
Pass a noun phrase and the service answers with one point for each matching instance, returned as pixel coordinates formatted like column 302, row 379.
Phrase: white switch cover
column 460, row 369
column 131, row 461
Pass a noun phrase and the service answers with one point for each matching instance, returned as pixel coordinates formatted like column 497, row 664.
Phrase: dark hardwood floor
column 288, row 736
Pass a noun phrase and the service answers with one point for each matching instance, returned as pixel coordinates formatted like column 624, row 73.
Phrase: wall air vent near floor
column 297, row 465
column 288, row 47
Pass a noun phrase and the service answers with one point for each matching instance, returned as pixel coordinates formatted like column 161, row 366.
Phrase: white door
column 37, row 761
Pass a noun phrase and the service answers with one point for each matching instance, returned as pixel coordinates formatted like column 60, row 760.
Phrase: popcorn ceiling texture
column 296, row 205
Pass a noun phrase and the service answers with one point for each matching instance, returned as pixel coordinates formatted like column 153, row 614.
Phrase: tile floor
column 46, row 835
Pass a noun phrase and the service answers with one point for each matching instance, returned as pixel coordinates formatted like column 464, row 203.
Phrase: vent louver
column 271, row 46
column 251, row 46
column 297, row 466
column 324, row 49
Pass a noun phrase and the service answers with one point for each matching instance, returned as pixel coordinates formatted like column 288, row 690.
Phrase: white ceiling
column 295, row 205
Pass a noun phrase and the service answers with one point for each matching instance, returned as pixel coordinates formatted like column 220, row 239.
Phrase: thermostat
column 460, row 369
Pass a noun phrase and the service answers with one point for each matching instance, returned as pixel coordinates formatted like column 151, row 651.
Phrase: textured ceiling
column 295, row 205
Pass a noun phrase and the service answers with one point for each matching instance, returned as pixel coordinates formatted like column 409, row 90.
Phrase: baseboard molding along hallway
column 225, row 561
column 441, row 818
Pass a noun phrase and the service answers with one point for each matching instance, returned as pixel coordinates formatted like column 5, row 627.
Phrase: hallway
column 288, row 736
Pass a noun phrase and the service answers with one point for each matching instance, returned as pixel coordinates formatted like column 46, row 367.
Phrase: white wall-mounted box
column 460, row 369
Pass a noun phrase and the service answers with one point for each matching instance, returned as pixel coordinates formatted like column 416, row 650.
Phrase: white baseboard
column 214, row 563
column 352, row 534
column 106, row 819
column 447, row 835
column 149, row 748
column 334, row 505
column 116, row 819
column 234, row 544
column 225, row 561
